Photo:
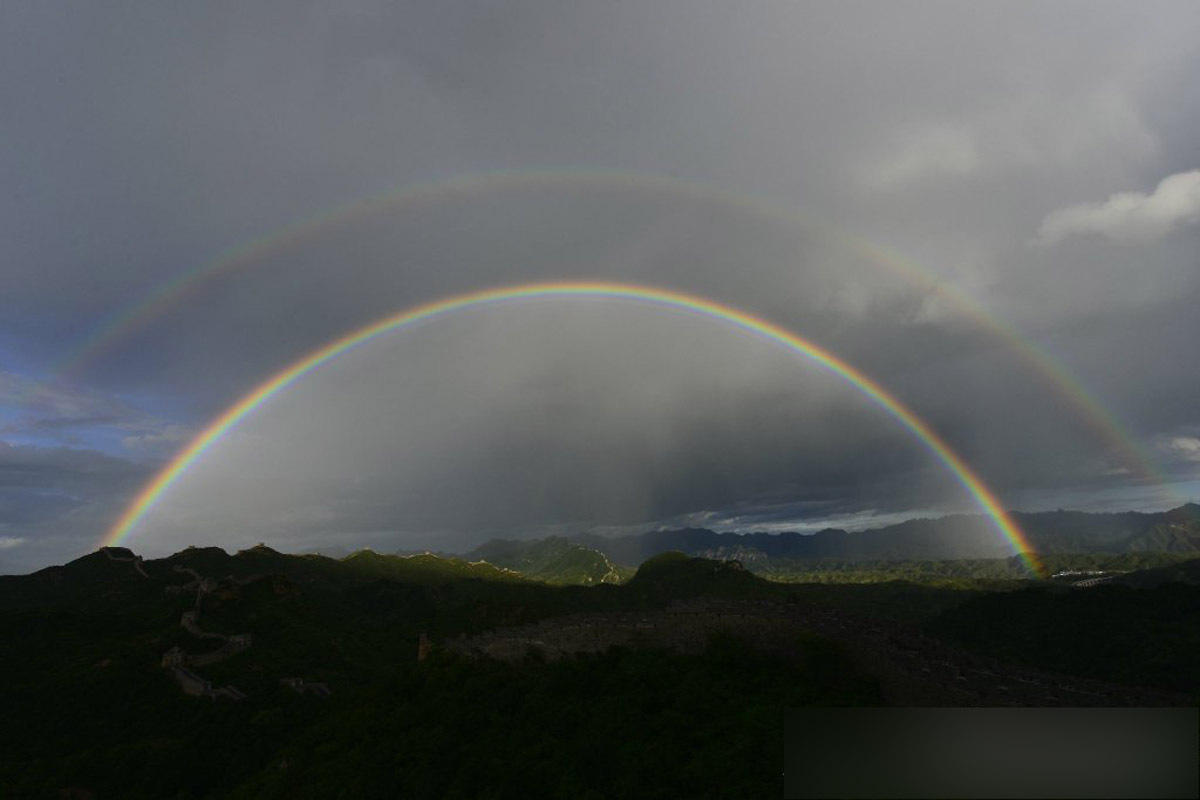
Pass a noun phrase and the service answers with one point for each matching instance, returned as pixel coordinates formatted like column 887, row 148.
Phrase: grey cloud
column 145, row 141
column 64, row 414
column 56, row 502
column 157, row 439
column 469, row 424
column 58, row 404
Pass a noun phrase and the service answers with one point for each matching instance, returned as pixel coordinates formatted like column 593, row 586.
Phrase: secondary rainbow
column 758, row 326
column 417, row 195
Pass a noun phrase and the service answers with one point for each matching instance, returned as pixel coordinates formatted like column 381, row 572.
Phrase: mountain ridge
column 956, row 536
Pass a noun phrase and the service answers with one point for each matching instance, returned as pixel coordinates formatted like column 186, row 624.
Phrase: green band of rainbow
column 767, row 330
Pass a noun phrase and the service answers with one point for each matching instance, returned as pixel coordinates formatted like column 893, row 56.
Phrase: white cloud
column 1184, row 447
column 9, row 542
column 1130, row 216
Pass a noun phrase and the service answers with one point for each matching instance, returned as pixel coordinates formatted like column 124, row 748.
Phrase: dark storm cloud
column 1028, row 155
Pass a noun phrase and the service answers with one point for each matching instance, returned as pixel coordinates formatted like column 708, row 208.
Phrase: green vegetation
column 1170, row 572
column 670, row 576
column 426, row 568
column 989, row 573
column 555, row 560
column 89, row 705
column 627, row 723
column 1135, row 636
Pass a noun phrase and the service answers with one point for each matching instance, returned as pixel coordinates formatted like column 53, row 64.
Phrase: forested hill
column 260, row 674
column 951, row 537
column 554, row 560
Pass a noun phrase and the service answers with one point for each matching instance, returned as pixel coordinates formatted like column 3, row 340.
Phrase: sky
column 989, row 208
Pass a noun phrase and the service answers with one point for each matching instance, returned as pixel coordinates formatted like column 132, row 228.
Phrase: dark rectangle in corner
column 992, row 752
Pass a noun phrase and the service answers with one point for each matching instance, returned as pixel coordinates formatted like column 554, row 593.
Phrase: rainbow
column 757, row 326
column 126, row 320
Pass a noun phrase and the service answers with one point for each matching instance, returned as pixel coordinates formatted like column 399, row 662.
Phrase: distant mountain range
column 952, row 537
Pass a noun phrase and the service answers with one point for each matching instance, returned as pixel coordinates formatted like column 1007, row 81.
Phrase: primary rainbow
column 763, row 328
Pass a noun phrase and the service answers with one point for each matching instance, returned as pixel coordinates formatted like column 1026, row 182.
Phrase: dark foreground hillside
column 267, row 675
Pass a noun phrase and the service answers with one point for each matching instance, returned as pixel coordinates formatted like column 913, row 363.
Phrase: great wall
column 176, row 661
column 136, row 560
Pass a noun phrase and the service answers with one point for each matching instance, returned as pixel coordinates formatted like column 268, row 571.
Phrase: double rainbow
column 414, row 196
column 757, row 326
